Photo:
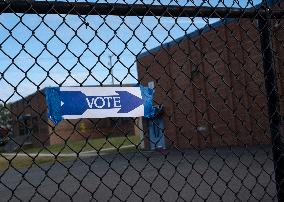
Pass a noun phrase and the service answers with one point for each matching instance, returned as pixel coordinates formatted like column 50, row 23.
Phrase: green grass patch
column 87, row 145
column 70, row 147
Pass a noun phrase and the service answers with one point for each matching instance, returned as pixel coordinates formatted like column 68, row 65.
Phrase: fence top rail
column 88, row 8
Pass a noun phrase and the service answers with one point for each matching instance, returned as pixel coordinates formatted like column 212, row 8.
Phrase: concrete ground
column 224, row 174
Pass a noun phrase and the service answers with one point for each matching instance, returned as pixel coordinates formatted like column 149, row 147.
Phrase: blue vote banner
column 98, row 102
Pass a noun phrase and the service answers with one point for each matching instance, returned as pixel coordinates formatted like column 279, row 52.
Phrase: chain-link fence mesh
column 216, row 68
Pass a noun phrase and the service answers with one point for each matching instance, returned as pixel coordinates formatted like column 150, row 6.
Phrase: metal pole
column 111, row 69
column 92, row 8
column 273, row 106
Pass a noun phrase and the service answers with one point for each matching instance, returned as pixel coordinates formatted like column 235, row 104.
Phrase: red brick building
column 211, row 84
column 31, row 124
column 3, row 135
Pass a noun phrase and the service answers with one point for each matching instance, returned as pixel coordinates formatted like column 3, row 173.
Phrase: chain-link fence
column 216, row 69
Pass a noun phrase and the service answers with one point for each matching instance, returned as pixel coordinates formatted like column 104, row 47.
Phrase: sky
column 37, row 51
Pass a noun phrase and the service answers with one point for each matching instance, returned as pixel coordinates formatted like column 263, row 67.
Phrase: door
column 156, row 128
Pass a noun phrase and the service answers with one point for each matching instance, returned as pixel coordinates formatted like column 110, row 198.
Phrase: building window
column 27, row 125
column 194, row 70
column 22, row 129
column 35, row 124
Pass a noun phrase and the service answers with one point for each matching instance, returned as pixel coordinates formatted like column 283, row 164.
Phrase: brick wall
column 212, row 87
column 33, row 106
column 91, row 128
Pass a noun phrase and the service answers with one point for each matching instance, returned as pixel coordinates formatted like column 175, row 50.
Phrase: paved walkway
column 221, row 174
column 81, row 154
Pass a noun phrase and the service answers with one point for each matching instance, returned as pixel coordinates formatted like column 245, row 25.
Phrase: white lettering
column 102, row 100
column 108, row 101
column 90, row 103
column 116, row 102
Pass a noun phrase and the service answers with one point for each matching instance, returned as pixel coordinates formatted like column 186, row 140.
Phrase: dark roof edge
column 198, row 32
column 28, row 96
column 193, row 34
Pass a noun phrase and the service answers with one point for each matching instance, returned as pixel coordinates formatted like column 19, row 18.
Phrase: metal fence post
column 273, row 105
